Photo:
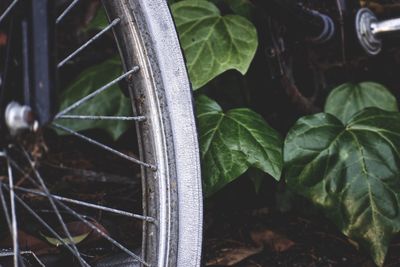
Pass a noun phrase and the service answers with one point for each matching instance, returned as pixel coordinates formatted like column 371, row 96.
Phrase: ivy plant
column 351, row 171
column 346, row 161
column 213, row 43
column 233, row 141
column 349, row 98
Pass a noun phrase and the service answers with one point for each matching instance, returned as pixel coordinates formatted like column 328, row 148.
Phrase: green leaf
column 232, row 142
column 111, row 102
column 349, row 98
column 243, row 8
column 352, row 171
column 74, row 239
column 213, row 43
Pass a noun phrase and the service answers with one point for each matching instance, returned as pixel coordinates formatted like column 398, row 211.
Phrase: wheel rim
column 159, row 195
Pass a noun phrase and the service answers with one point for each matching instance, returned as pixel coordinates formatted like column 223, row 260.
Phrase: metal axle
column 19, row 118
column 369, row 30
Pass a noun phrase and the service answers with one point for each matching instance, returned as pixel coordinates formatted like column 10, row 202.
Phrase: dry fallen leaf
column 273, row 240
column 80, row 233
column 74, row 240
column 28, row 242
column 229, row 253
column 3, row 39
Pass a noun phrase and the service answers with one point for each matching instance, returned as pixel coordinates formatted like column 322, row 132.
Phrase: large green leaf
column 349, row 98
column 352, row 171
column 244, row 8
column 213, row 43
column 111, row 102
column 232, row 142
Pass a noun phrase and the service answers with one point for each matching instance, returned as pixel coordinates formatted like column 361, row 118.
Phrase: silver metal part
column 385, row 26
column 169, row 134
column 369, row 30
column 328, row 32
column 19, row 117
column 8, row 10
column 371, row 43
column 168, row 143
column 91, row 40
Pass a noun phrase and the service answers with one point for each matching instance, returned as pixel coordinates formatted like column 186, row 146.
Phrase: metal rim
column 169, row 91
column 169, row 157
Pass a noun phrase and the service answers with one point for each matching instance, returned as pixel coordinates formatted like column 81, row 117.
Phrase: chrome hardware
column 369, row 30
column 19, row 118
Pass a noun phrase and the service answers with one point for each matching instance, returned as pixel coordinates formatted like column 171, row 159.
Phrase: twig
column 304, row 104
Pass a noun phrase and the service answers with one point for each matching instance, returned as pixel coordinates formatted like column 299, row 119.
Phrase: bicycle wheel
column 161, row 99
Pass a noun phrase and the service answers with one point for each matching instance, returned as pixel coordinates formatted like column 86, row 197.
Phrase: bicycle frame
column 30, row 70
column 310, row 24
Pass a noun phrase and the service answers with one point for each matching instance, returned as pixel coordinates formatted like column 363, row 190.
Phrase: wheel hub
column 19, row 118
column 368, row 40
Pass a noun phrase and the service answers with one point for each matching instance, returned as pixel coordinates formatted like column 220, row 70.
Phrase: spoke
column 53, row 205
column 14, row 226
column 3, row 199
column 5, row 208
column 25, row 174
column 8, row 253
column 8, row 10
column 116, row 152
column 66, row 11
column 98, row 230
column 91, row 40
column 15, row 254
column 78, row 202
column 34, row 256
column 98, row 91
column 116, row 118
column 89, row 205
column 48, row 227
column 91, row 225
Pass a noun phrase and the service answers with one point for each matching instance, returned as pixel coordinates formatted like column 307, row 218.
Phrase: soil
column 238, row 218
column 74, row 169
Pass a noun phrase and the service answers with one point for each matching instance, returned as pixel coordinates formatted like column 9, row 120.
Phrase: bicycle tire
column 160, row 92
column 147, row 35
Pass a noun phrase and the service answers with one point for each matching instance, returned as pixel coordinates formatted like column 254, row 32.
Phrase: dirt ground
column 245, row 229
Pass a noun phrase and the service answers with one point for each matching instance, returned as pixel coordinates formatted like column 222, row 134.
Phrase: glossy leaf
column 111, row 102
column 213, row 43
column 349, row 98
column 232, row 142
column 351, row 171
